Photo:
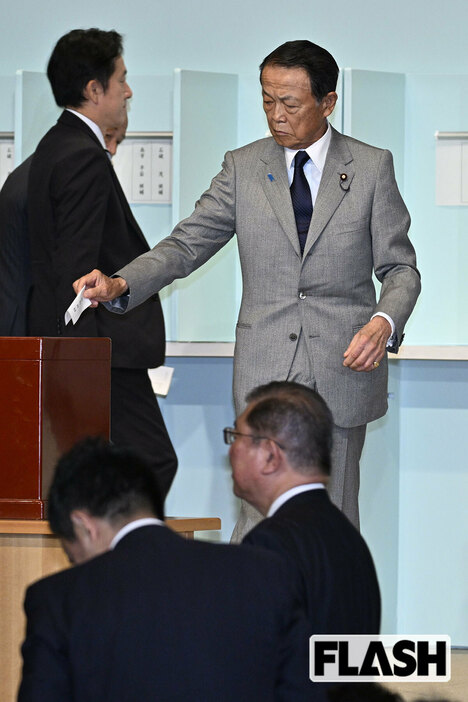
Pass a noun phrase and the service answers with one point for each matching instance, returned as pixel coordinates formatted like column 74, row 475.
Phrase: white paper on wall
column 7, row 159
column 451, row 170
column 144, row 168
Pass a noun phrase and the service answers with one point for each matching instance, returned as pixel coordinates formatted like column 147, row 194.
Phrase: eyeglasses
column 230, row 434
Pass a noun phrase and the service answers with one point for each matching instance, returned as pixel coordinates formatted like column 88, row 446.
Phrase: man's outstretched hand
column 100, row 288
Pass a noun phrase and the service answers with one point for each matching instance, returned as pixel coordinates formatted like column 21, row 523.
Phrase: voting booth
column 54, row 392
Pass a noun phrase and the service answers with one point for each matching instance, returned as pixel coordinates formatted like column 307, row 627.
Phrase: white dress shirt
column 92, row 125
column 131, row 526
column 276, row 504
column 313, row 169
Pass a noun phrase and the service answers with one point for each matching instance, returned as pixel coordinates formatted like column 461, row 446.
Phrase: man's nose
column 278, row 113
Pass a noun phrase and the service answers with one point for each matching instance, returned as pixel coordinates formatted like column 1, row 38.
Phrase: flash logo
column 359, row 658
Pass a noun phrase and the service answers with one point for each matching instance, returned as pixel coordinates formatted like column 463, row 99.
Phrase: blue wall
column 433, row 558
column 418, row 452
column 196, row 410
column 416, row 36
column 210, row 35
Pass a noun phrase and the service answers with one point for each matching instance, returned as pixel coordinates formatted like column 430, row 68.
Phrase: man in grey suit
column 309, row 311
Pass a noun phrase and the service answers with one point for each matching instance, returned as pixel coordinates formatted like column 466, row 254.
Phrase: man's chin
column 282, row 139
column 236, row 490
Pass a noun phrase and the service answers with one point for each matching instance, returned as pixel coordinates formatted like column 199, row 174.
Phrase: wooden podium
column 54, row 392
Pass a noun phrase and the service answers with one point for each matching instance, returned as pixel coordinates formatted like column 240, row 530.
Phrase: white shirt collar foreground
column 276, row 504
column 92, row 125
column 131, row 526
column 317, row 151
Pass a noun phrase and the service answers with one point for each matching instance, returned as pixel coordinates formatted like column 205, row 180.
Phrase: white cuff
column 392, row 338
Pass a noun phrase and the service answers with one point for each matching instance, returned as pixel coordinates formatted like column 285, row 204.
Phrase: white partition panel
column 205, row 127
column 374, row 112
column 35, row 112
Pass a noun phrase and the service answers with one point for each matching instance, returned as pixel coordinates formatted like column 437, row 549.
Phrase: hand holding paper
column 77, row 307
column 99, row 287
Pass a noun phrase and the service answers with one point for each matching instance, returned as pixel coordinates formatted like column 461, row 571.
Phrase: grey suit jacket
column 359, row 225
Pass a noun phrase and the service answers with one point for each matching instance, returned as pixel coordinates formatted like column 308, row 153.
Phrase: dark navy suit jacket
column 338, row 582
column 164, row 619
column 79, row 219
column 15, row 267
column 338, row 578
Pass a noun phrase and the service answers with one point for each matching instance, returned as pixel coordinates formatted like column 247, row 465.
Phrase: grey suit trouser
column 343, row 486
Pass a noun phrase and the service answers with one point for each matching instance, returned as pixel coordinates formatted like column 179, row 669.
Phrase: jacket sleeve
column 45, row 674
column 393, row 254
column 192, row 242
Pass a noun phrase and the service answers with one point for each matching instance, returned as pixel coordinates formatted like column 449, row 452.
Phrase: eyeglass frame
column 231, row 433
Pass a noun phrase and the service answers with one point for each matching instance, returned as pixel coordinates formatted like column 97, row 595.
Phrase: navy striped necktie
column 301, row 197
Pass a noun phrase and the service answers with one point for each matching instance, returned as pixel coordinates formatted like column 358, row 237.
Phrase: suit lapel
column 70, row 120
column 274, row 180
column 333, row 186
column 125, row 206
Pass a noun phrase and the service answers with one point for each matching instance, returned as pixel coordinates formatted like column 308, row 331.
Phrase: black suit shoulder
column 192, row 620
column 337, row 573
column 15, row 267
column 80, row 220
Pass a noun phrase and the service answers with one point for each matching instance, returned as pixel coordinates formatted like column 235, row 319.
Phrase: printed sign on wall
column 7, row 158
column 144, row 167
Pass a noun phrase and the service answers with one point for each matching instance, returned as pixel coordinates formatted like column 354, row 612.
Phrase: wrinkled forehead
column 281, row 78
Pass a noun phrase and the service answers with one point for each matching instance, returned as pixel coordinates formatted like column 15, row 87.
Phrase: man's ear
column 93, row 91
column 328, row 103
column 85, row 526
column 273, row 458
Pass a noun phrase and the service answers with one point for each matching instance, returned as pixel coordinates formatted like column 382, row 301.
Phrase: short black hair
column 299, row 419
column 319, row 64
column 106, row 480
column 78, row 57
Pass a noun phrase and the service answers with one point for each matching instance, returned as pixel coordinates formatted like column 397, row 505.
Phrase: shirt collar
column 317, row 151
column 276, row 504
column 92, row 125
column 131, row 526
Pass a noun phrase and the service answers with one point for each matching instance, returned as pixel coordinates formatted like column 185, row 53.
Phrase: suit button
column 293, row 337
column 302, row 295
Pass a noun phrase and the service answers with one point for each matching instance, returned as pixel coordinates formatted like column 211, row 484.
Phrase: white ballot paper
column 77, row 307
column 161, row 379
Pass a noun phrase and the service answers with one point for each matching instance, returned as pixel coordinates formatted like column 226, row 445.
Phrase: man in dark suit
column 156, row 617
column 79, row 217
column 15, row 266
column 280, row 455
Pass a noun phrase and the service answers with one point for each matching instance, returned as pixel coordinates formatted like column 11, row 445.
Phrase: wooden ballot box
column 53, row 392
